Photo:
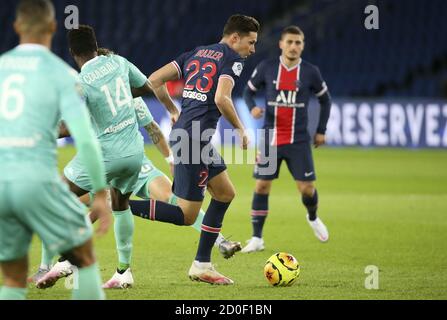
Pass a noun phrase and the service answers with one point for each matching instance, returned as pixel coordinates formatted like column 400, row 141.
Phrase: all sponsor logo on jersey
column 286, row 98
column 194, row 95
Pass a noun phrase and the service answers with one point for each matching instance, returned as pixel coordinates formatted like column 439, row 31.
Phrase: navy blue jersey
column 287, row 92
column 201, row 68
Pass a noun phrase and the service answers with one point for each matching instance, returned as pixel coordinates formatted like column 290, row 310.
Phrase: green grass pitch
column 383, row 207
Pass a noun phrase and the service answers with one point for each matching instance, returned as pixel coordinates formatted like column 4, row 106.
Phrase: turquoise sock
column 8, row 293
column 46, row 260
column 198, row 224
column 88, row 286
column 124, row 227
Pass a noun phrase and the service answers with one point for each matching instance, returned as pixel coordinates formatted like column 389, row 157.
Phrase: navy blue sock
column 211, row 225
column 311, row 204
column 158, row 211
column 259, row 211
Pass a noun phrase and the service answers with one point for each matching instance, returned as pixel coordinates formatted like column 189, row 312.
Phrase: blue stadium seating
column 398, row 59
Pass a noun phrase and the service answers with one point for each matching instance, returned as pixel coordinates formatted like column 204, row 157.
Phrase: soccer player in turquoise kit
column 37, row 89
column 106, row 85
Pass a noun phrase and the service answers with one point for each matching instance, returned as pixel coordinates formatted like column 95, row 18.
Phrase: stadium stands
column 407, row 56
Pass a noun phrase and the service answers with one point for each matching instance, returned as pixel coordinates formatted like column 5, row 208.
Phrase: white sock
column 45, row 266
column 219, row 240
column 202, row 265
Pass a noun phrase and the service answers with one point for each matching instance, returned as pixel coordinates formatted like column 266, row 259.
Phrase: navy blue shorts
column 191, row 177
column 298, row 157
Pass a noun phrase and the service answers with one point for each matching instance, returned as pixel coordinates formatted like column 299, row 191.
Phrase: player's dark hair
column 34, row 15
column 292, row 30
column 241, row 24
column 82, row 41
column 105, row 52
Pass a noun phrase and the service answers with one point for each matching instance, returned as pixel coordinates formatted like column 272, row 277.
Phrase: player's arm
column 146, row 121
column 158, row 81
column 325, row 105
column 139, row 84
column 249, row 98
column 255, row 83
column 225, row 105
column 141, row 91
column 158, row 138
column 324, row 99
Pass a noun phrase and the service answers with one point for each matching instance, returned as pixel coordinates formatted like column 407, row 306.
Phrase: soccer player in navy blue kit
column 288, row 82
column 210, row 73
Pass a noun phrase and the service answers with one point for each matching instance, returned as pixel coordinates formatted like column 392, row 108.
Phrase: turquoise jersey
column 107, row 82
column 37, row 89
column 144, row 116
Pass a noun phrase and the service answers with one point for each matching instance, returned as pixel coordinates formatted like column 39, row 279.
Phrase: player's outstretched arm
column 249, row 98
column 226, row 107
column 158, row 81
column 160, row 142
column 141, row 91
column 158, row 138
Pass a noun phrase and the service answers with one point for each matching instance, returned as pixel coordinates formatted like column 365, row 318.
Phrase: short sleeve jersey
column 202, row 68
column 107, row 82
column 287, row 93
column 37, row 89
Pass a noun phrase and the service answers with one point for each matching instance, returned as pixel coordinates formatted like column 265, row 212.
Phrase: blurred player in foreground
column 37, row 89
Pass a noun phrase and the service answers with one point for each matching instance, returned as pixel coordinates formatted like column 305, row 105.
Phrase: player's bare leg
column 259, row 214
column 160, row 189
column 310, row 200
column 14, row 279
column 222, row 192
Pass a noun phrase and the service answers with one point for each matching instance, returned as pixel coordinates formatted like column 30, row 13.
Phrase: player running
column 210, row 72
column 289, row 82
column 152, row 184
column 106, row 83
column 38, row 88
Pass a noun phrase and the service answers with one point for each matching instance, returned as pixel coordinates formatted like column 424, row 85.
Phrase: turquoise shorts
column 148, row 173
column 48, row 209
column 121, row 174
